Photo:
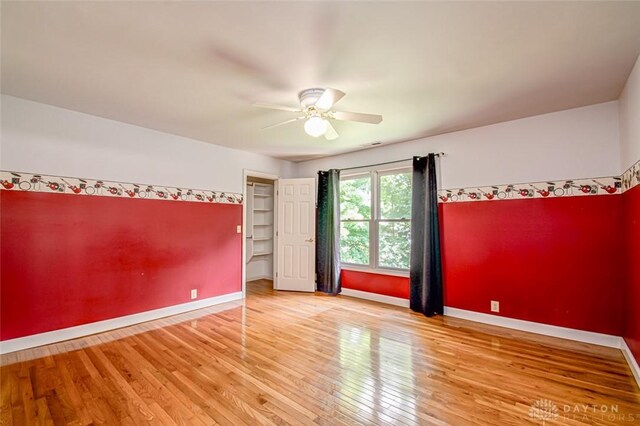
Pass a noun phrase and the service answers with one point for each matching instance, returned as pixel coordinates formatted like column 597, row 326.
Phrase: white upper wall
column 629, row 104
column 44, row 139
column 576, row 143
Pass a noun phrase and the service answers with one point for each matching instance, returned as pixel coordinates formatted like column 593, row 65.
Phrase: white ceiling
column 194, row 68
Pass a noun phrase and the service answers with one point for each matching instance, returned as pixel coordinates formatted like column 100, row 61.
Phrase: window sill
column 379, row 271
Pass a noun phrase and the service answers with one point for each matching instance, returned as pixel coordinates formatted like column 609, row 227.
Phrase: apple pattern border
column 550, row 189
column 19, row 181
column 631, row 177
column 31, row 182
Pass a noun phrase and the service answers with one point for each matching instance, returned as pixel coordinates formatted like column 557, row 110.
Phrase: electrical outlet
column 239, row 229
column 194, row 293
column 495, row 306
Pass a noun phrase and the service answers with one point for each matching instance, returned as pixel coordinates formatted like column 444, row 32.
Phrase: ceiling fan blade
column 274, row 106
column 331, row 133
column 283, row 122
column 357, row 116
column 244, row 66
column 329, row 98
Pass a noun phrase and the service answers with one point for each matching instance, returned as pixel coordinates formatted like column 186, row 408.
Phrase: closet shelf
column 260, row 207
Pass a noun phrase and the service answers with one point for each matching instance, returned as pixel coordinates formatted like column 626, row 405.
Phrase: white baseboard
column 260, row 277
column 110, row 324
column 631, row 360
column 536, row 327
column 516, row 324
column 397, row 301
column 531, row 327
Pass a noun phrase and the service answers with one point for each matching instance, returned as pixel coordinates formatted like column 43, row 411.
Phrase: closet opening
column 260, row 232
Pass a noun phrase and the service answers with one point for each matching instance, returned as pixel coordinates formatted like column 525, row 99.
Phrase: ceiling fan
column 315, row 108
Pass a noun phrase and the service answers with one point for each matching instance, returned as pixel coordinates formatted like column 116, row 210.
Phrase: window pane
column 395, row 244
column 355, row 198
column 395, row 196
column 354, row 242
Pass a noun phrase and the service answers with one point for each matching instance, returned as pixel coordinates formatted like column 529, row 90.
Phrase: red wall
column 69, row 260
column 376, row 283
column 554, row 261
column 632, row 294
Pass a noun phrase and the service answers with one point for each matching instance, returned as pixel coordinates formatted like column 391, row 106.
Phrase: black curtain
column 328, row 230
column 425, row 270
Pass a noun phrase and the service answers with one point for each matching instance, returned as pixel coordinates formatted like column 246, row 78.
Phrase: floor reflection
column 377, row 374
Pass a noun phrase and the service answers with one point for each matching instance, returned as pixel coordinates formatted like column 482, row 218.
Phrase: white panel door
column 296, row 235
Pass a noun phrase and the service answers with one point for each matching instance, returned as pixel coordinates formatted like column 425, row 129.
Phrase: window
column 394, row 224
column 375, row 226
column 355, row 220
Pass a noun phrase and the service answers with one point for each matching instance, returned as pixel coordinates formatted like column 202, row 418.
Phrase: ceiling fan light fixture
column 315, row 126
column 316, row 108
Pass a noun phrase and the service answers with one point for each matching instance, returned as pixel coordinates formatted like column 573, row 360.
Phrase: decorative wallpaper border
column 550, row 189
column 12, row 181
column 18, row 181
column 631, row 177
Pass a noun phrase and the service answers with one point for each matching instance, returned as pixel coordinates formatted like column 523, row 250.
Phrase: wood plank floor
column 300, row 359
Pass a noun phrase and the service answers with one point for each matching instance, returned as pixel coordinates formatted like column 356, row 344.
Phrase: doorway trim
column 254, row 173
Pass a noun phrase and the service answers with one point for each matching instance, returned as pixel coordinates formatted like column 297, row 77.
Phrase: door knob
column 310, row 240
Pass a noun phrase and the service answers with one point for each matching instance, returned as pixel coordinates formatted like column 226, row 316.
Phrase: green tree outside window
column 392, row 224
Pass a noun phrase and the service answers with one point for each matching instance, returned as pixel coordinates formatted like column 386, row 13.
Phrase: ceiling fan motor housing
column 309, row 97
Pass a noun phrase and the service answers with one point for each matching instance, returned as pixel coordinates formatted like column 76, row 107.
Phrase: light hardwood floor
column 301, row 359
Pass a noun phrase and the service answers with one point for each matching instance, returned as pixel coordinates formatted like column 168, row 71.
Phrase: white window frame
column 374, row 222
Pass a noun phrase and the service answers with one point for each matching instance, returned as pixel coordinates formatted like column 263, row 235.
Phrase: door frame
column 254, row 173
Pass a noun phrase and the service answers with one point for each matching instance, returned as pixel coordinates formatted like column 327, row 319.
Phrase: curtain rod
column 439, row 154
